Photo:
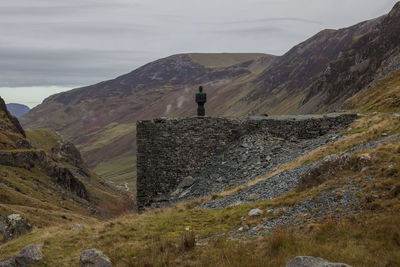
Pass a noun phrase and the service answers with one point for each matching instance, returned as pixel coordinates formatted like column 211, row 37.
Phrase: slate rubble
column 309, row 209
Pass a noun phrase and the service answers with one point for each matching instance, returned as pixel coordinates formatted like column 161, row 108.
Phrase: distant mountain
column 105, row 114
column 315, row 76
column 17, row 109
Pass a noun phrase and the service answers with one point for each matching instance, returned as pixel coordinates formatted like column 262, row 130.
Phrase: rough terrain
column 318, row 75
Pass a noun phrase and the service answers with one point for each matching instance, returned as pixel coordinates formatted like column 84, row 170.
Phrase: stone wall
column 169, row 150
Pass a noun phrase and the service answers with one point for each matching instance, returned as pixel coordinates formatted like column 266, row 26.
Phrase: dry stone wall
column 171, row 150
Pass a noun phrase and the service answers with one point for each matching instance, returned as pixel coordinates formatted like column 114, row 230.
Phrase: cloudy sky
column 48, row 46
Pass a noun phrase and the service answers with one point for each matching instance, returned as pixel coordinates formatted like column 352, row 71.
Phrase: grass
column 184, row 236
column 120, row 170
column 384, row 96
column 44, row 139
column 31, row 193
column 108, row 135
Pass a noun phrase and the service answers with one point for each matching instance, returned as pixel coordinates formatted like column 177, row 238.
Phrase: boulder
column 94, row 258
column 29, row 255
column 324, row 170
column 15, row 225
column 77, row 227
column 255, row 212
column 306, row 261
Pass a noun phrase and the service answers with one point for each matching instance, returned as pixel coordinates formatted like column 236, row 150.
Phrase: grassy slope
column 100, row 191
column 384, row 96
column 159, row 238
column 30, row 192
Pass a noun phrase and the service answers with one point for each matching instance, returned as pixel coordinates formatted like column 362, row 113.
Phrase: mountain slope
column 45, row 179
column 17, row 109
column 105, row 114
column 315, row 76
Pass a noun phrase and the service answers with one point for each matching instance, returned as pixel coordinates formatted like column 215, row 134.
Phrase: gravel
column 309, row 209
column 254, row 156
column 268, row 189
column 281, row 183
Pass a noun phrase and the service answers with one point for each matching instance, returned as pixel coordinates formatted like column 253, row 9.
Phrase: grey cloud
column 249, row 31
column 78, row 42
column 268, row 20
column 34, row 67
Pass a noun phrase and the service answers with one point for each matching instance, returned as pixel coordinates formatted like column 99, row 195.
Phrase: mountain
column 105, row 114
column 45, row 179
column 17, row 109
column 315, row 76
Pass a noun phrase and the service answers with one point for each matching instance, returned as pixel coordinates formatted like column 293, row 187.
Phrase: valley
column 299, row 155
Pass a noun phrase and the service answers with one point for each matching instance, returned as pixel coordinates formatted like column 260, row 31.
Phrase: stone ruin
column 174, row 156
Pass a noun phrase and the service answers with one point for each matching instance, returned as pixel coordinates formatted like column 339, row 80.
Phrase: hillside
column 105, row 114
column 17, row 109
column 44, row 178
column 345, row 209
column 315, row 76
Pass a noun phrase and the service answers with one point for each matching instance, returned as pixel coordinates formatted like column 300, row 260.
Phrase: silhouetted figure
column 201, row 99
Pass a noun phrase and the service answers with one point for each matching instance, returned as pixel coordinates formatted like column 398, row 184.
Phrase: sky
column 49, row 46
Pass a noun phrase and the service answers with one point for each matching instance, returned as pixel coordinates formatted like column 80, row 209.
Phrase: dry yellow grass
column 383, row 96
column 159, row 237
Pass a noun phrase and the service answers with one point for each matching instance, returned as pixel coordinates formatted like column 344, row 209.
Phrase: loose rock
column 255, row 212
column 94, row 258
column 29, row 255
column 14, row 226
column 306, row 261
column 77, row 227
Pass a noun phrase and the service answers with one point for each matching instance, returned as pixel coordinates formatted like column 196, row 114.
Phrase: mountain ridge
column 100, row 119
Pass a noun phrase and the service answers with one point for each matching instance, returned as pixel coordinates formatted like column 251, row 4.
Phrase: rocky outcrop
column 368, row 56
column 23, row 158
column 306, row 261
column 64, row 178
column 94, row 258
column 61, row 176
column 323, row 170
column 66, row 152
column 28, row 256
column 15, row 123
column 14, row 226
column 330, row 165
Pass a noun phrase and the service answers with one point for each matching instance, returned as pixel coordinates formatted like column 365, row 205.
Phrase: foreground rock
column 255, row 212
column 77, row 227
column 323, row 170
column 29, row 255
column 306, row 261
column 14, row 226
column 94, row 258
